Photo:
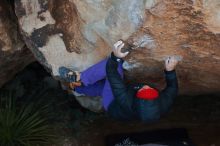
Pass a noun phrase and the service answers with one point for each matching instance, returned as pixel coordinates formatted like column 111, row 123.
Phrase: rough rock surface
column 14, row 56
column 79, row 33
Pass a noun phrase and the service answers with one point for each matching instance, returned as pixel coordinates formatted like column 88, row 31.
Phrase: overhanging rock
column 79, row 33
column 14, row 55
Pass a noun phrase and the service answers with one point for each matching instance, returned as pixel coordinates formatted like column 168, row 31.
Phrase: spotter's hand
column 117, row 50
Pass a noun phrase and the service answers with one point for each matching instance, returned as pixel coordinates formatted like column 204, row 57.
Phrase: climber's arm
column 118, row 87
column 170, row 92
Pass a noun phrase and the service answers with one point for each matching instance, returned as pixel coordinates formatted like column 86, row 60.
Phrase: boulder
column 14, row 55
column 79, row 33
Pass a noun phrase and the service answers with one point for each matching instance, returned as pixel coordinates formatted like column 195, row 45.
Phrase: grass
column 23, row 126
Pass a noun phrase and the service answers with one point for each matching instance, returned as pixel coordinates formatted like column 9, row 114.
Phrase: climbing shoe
column 67, row 75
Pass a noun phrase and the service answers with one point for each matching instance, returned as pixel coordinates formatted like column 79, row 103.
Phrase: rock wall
column 14, row 56
column 79, row 33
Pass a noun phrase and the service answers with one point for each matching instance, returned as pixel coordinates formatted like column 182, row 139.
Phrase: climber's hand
column 170, row 63
column 117, row 50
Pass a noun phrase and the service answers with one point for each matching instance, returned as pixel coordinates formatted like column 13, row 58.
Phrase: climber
column 137, row 101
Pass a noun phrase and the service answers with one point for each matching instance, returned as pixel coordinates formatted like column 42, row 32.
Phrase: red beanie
column 148, row 94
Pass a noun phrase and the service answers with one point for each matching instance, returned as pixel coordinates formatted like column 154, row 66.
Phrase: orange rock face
column 78, row 34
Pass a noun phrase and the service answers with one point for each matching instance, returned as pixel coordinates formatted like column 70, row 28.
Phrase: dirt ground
column 199, row 115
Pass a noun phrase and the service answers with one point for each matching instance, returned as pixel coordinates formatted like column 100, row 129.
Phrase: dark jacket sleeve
column 170, row 92
column 117, row 84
